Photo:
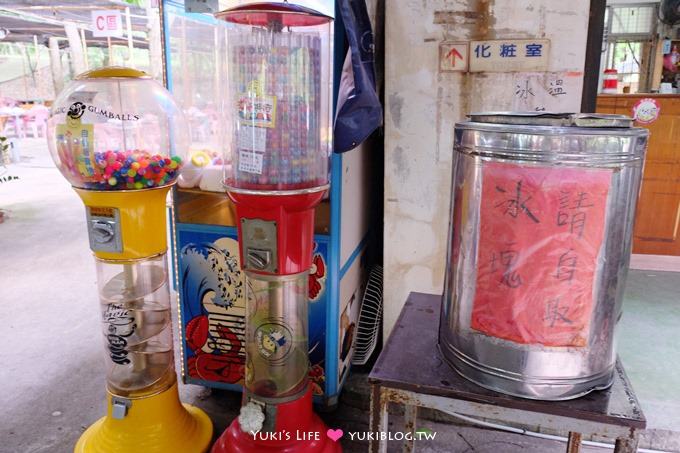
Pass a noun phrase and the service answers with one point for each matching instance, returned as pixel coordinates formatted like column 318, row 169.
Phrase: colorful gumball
column 134, row 169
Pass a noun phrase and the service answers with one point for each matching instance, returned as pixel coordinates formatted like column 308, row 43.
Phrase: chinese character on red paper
column 541, row 230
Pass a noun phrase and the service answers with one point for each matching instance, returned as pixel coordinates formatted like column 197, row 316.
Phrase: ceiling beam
column 56, row 9
column 30, row 17
column 65, row 7
column 40, row 19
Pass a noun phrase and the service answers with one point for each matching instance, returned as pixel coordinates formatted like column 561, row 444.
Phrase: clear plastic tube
column 136, row 324
column 276, row 335
column 281, row 136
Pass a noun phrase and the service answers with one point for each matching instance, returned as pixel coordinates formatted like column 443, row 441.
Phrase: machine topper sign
column 107, row 23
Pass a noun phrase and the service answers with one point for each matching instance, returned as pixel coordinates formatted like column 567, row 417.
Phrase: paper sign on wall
column 546, row 91
column 510, row 55
column 453, row 56
column 107, row 23
column 541, row 230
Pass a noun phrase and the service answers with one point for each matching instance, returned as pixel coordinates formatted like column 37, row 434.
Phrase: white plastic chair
column 35, row 120
column 14, row 124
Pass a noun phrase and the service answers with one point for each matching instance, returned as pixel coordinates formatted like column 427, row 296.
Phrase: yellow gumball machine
column 116, row 135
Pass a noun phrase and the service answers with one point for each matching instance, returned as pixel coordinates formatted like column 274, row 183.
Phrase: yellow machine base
column 157, row 424
column 142, row 219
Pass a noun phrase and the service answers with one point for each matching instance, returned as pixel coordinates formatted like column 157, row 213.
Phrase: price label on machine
column 250, row 161
column 252, row 138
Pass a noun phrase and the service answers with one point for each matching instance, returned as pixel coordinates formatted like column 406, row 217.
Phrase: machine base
column 156, row 424
column 298, row 430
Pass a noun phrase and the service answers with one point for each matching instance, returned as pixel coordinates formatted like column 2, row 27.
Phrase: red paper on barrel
column 541, row 231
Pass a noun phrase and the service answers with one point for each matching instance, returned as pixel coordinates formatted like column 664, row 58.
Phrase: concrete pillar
column 83, row 41
column 154, row 38
column 128, row 27
column 75, row 47
column 55, row 64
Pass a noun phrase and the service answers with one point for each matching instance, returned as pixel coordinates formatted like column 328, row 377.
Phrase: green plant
column 4, row 160
column 8, row 178
column 4, row 151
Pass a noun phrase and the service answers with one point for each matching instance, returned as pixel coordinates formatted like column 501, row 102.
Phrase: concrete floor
column 52, row 356
column 649, row 344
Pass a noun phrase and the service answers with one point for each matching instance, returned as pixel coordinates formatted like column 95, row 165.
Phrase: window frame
column 648, row 43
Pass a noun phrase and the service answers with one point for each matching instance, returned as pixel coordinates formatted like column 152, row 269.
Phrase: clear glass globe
column 117, row 129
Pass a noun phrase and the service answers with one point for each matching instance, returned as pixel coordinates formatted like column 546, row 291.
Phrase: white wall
column 423, row 104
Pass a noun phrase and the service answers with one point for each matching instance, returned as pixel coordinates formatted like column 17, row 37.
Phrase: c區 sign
column 107, row 23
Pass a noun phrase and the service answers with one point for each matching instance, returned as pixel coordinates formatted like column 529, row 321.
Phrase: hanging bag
column 359, row 112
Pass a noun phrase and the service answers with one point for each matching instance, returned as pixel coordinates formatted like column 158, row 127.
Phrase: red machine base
column 298, row 430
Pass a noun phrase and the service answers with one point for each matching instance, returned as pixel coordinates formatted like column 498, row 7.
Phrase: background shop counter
column 657, row 224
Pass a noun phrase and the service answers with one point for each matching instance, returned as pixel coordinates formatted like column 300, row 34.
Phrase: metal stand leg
column 574, row 444
column 627, row 444
column 378, row 420
column 410, row 417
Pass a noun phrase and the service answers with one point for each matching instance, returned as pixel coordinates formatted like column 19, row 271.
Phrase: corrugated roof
column 44, row 19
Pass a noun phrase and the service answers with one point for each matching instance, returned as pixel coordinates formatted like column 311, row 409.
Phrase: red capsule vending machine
column 205, row 250
column 276, row 172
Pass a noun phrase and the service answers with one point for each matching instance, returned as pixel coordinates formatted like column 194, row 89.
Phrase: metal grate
column 632, row 19
column 370, row 318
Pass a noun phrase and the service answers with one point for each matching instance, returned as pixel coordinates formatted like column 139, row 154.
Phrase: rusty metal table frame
column 410, row 372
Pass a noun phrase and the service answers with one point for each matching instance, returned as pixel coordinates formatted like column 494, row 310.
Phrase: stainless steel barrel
column 540, row 234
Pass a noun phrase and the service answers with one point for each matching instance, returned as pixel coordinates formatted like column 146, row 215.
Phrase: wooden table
column 411, row 372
